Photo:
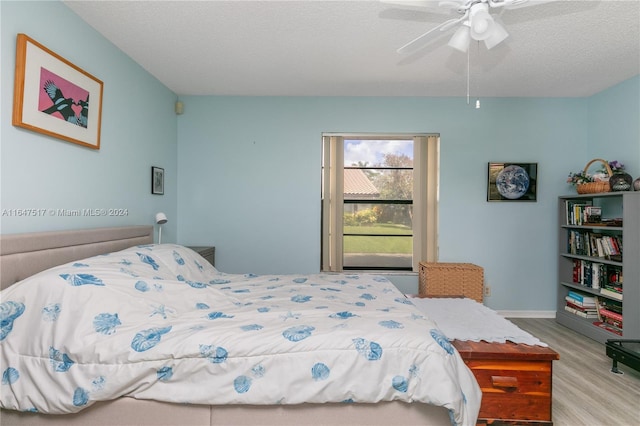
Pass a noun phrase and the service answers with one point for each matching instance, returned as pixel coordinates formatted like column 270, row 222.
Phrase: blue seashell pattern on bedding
column 159, row 322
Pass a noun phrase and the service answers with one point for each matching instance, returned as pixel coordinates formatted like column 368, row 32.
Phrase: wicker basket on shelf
column 440, row 279
column 595, row 187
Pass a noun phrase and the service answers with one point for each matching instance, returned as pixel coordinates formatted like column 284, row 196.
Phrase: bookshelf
column 595, row 250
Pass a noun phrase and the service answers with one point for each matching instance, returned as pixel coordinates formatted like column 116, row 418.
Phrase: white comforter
column 158, row 322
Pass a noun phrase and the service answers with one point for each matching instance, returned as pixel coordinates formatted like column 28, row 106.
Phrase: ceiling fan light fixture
column 460, row 39
column 481, row 21
column 497, row 36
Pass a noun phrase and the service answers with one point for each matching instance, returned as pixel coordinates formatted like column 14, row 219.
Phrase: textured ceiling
column 348, row 48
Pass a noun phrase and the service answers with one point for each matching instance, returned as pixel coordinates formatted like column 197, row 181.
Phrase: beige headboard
column 23, row 255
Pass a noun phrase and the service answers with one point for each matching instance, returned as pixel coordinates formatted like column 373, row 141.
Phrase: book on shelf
column 613, row 283
column 609, row 304
column 598, row 305
column 592, row 214
column 608, row 327
column 611, row 293
column 612, row 322
column 581, row 310
column 613, row 244
column 613, row 222
column 574, row 307
column 597, row 275
column 593, row 245
column 614, row 275
column 581, row 313
column 606, row 313
column 575, row 272
column 573, row 304
column 582, row 299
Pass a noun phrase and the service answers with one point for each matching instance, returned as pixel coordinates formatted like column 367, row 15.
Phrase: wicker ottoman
column 440, row 279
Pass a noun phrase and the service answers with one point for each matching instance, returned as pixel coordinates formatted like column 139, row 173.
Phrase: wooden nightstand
column 208, row 252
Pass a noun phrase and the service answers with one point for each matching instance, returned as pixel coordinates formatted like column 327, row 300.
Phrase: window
column 379, row 201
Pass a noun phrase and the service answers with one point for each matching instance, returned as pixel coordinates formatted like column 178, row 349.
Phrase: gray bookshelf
column 625, row 205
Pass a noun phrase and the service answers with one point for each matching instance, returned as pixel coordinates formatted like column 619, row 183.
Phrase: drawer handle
column 506, row 382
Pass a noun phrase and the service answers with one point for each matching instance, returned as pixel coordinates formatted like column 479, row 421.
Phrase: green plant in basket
column 579, row 178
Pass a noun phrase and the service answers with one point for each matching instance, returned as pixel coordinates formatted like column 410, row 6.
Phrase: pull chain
column 468, row 74
column 478, row 98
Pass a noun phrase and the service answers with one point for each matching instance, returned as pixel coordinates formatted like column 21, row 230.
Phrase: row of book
column 606, row 312
column 582, row 213
column 584, row 243
column 598, row 276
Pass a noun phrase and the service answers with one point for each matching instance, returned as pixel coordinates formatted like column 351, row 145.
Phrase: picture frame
column 54, row 97
column 512, row 182
column 157, row 180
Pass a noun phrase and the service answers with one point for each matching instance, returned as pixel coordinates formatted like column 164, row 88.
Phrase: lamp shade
column 460, row 39
column 161, row 218
column 497, row 36
column 481, row 21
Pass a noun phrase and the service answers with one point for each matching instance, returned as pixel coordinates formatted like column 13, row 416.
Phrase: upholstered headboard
column 23, row 255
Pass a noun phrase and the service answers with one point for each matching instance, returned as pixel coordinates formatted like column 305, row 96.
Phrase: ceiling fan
column 475, row 21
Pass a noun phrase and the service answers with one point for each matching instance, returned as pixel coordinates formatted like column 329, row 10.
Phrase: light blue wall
column 614, row 125
column 139, row 129
column 250, row 181
column 247, row 173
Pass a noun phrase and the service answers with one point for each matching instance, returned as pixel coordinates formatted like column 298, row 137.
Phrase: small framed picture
column 512, row 182
column 157, row 180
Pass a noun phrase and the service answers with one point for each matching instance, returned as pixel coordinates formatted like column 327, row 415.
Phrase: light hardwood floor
column 585, row 391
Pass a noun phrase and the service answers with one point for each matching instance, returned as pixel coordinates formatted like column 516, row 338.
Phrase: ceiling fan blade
column 517, row 4
column 452, row 4
column 418, row 42
column 453, row 22
column 412, row 4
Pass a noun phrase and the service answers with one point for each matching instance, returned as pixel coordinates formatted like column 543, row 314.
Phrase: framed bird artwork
column 54, row 97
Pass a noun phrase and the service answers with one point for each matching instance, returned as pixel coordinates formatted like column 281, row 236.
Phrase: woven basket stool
column 441, row 279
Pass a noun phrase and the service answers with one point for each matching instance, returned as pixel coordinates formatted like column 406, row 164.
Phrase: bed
column 122, row 331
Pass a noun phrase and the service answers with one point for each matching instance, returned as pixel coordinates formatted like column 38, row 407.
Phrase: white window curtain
column 425, row 199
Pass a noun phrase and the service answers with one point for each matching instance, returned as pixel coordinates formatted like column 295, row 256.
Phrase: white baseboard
column 527, row 314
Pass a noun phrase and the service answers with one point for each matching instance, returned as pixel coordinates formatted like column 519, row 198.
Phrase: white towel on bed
column 466, row 319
